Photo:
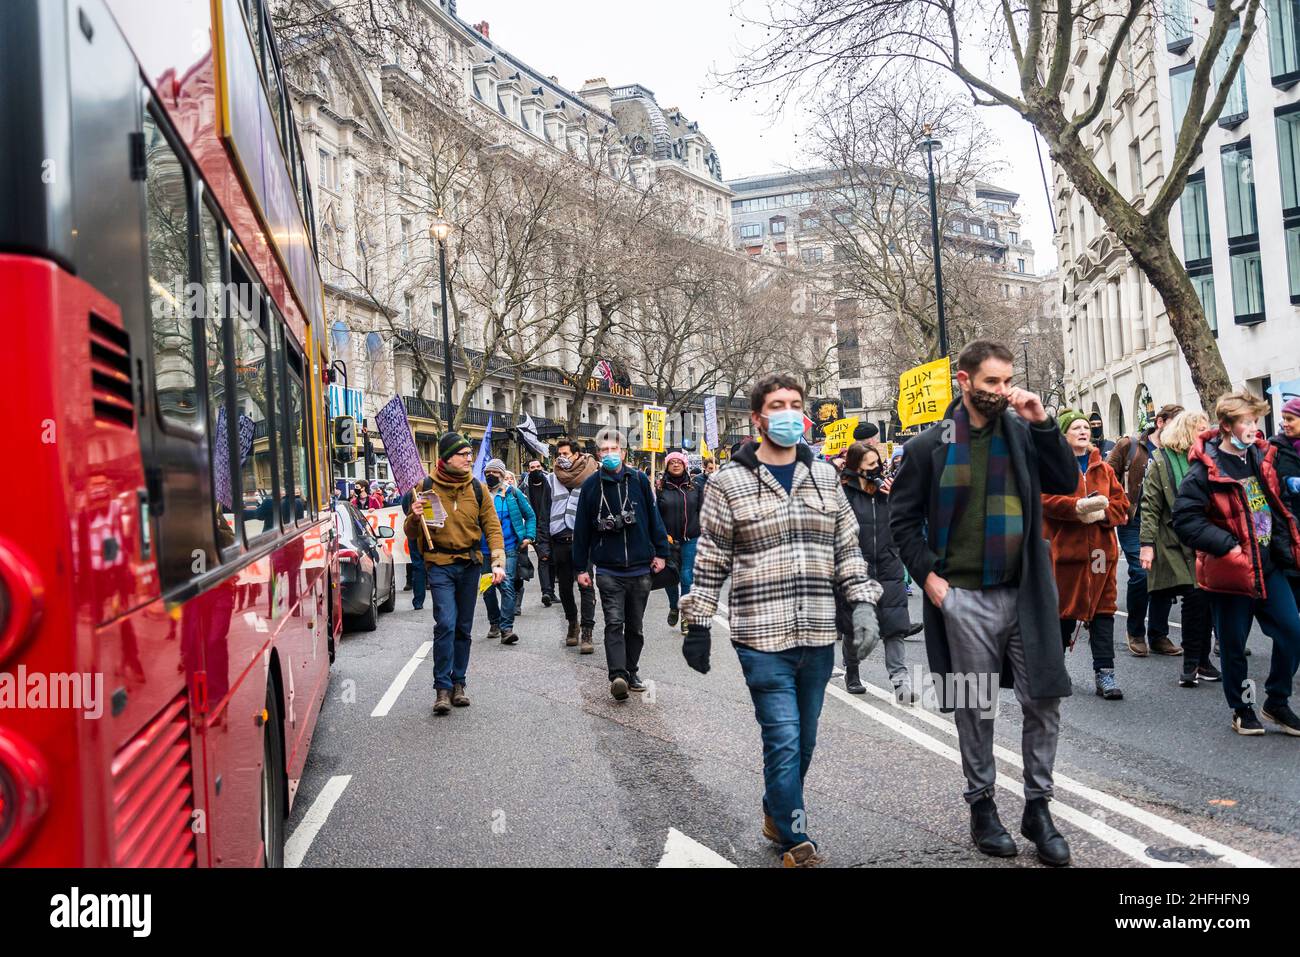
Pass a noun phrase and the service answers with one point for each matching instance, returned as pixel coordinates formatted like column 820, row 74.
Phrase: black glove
column 695, row 648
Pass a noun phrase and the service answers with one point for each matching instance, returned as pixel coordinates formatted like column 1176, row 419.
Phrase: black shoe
column 852, row 681
column 1245, row 722
column 509, row 637
column 987, row 831
column 1207, row 672
column 618, row 688
column 415, row 607
column 1188, row 678
column 547, row 601
column 913, row 630
column 408, row 587
column 1038, row 827
column 636, row 684
column 1281, row 715
column 672, row 616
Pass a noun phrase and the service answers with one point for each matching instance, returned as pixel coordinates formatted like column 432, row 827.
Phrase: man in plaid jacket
column 776, row 522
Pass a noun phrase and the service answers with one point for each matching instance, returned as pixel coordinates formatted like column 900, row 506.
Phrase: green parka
column 1174, row 563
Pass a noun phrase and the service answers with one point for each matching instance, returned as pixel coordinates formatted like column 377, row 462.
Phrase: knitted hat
column 494, row 465
column 1068, row 418
column 1292, row 406
column 675, row 457
column 864, row 431
column 450, row 444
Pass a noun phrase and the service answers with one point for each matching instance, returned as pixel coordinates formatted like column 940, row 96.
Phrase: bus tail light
column 21, row 600
column 24, row 792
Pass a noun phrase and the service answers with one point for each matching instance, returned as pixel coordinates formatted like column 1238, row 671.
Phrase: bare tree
column 864, row 42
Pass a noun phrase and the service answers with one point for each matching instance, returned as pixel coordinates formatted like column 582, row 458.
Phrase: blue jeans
column 1137, row 580
column 788, row 688
column 687, row 573
column 1278, row 618
column 454, row 589
column 417, row 574
column 501, row 612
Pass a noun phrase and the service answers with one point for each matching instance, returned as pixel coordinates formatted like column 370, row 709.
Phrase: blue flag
column 484, row 452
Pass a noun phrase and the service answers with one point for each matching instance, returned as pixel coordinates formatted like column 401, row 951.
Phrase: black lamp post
column 440, row 230
column 929, row 145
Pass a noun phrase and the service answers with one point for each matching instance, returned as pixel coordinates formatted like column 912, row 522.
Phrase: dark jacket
column 1128, row 460
column 883, row 563
column 679, row 507
column 1042, row 462
column 1212, row 516
column 1288, row 467
column 625, row 547
column 539, row 497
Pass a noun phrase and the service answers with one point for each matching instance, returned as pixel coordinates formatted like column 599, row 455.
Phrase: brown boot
column 458, row 697
column 442, row 704
column 769, row 829
column 1163, row 646
column 586, row 647
column 571, row 636
column 1137, row 647
column 803, row 855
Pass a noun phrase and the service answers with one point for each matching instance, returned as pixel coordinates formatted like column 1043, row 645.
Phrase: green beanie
column 1068, row 418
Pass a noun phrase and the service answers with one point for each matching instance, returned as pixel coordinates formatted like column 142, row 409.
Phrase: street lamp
column 440, row 229
column 929, row 146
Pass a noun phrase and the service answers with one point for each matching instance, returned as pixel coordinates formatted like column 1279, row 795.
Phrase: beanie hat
column 449, row 444
column 865, row 431
column 494, row 465
column 1068, row 418
column 1292, row 406
column 676, row 457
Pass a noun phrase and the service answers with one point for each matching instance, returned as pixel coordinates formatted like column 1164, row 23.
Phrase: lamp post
column 928, row 146
column 440, row 229
column 1024, row 344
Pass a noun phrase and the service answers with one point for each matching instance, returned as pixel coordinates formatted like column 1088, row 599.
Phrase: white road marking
column 295, row 849
column 399, row 683
column 683, row 851
column 1161, row 825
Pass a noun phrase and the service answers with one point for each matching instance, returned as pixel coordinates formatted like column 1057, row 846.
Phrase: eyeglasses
column 456, row 455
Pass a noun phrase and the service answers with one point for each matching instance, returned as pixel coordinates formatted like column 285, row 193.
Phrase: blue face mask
column 785, row 427
column 611, row 462
column 1237, row 444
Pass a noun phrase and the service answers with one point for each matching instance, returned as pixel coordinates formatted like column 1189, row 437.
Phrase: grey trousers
column 895, row 659
column 982, row 629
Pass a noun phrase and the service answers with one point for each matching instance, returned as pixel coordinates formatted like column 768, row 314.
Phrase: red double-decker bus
column 167, row 591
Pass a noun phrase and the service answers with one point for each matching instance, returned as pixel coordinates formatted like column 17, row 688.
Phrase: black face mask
column 874, row 475
column 988, row 404
column 535, row 477
column 493, row 481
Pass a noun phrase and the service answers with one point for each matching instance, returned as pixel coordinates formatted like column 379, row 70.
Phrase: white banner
column 711, row 423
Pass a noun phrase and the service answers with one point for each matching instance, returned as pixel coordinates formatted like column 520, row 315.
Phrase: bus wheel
column 273, row 810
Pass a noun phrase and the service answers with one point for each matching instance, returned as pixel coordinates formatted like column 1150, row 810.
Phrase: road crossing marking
column 299, row 843
column 399, row 683
column 683, row 851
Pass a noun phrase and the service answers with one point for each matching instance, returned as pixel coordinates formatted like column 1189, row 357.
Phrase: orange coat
column 1085, row 558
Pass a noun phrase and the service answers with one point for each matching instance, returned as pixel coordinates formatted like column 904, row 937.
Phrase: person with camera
column 618, row 530
column 776, row 522
column 679, row 506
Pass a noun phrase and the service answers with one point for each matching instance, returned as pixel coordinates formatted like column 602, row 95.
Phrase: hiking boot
column 585, row 647
column 672, row 616
column 769, row 829
column 1107, row 687
column 571, row 636
column 1188, row 679
column 618, row 688
column 1038, row 827
column 1138, row 647
column 1163, row 646
column 442, row 702
column 1207, row 672
column 494, row 633
column 509, row 637
column 802, row 855
column 987, row 832
column 852, row 682
column 458, row 697
column 1245, row 722
column 636, row 684
column 1281, row 715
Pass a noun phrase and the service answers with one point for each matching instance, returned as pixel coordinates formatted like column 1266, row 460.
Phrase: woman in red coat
column 1085, row 554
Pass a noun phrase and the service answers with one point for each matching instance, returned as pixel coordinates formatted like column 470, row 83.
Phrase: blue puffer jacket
column 624, row 548
column 523, row 520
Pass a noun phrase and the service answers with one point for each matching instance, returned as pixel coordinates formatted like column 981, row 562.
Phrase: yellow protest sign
column 924, row 393
column 652, row 428
column 839, row 435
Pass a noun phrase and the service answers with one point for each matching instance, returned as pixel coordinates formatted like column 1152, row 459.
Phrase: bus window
column 214, row 327
column 253, row 402
column 297, row 439
column 172, row 328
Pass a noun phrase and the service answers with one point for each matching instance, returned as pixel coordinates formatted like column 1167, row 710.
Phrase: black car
column 365, row 569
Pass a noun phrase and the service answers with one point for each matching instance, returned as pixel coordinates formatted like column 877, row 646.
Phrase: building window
column 1204, row 286
column 1293, row 260
column 1283, row 50
column 1288, row 156
column 328, row 170
column 1020, row 265
column 993, row 230
column 1015, row 237
column 1247, row 287
column 1195, row 211
column 1180, row 91
column 751, row 231
column 844, row 217
column 1235, row 108
column 958, row 226
column 1239, row 191
column 1178, row 26
column 777, row 226
column 812, row 256
column 851, row 399
column 811, row 221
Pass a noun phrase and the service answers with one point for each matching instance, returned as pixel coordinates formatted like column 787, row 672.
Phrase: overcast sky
column 670, row 46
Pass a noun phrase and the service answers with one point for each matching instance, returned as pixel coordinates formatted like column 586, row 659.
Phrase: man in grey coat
column 967, row 519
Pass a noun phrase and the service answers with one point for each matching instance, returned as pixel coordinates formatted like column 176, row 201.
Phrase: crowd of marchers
column 1011, row 521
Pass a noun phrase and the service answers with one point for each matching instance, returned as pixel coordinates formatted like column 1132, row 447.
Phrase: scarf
column 1004, row 520
column 582, row 468
column 450, row 477
column 1178, row 467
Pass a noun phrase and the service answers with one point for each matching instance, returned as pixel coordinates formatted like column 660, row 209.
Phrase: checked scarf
column 1004, row 520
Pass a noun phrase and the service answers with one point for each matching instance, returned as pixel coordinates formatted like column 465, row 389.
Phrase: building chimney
column 483, row 28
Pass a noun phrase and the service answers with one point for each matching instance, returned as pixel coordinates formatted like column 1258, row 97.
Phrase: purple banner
column 399, row 445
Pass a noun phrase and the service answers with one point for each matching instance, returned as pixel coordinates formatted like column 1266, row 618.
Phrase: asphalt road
column 546, row 769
